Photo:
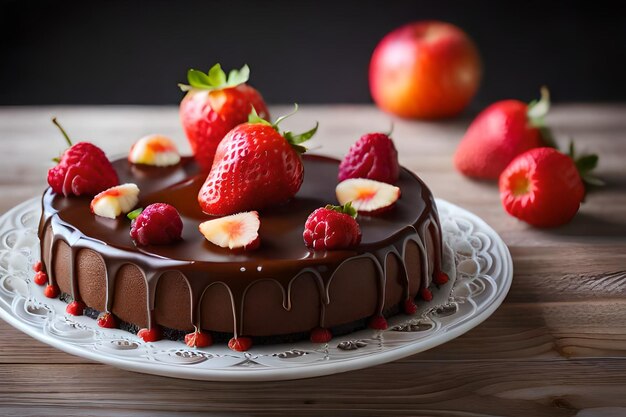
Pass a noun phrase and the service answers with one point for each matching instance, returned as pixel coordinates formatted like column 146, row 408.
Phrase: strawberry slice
column 367, row 196
column 237, row 231
column 115, row 201
column 154, row 150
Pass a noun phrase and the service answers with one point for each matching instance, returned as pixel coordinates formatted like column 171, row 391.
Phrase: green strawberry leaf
column 215, row 78
column 281, row 118
column 254, row 117
column 593, row 181
column 345, row 209
column 586, row 163
column 134, row 214
column 236, row 77
column 294, row 140
column 547, row 137
column 302, row 137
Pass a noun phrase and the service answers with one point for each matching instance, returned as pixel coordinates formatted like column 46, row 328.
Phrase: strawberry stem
column 585, row 164
column 388, row 134
column 538, row 109
column 134, row 214
column 536, row 113
column 293, row 139
column 345, row 209
column 65, row 135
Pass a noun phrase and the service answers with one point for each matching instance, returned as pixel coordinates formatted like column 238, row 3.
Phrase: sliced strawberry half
column 367, row 196
column 154, row 150
column 237, row 231
column 115, row 201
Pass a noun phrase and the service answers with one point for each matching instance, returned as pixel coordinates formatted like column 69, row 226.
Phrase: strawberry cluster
column 509, row 141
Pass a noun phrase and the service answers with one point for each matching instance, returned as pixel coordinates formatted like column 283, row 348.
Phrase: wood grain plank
column 518, row 388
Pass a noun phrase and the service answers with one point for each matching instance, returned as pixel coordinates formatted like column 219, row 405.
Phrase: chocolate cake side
column 280, row 292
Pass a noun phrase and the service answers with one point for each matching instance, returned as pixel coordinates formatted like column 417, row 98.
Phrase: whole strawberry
column 83, row 169
column 255, row 167
column 213, row 105
column 332, row 227
column 157, row 224
column 500, row 133
column 542, row 187
column 373, row 156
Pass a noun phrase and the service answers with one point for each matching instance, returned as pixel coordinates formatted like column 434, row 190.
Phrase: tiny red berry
column 240, row 344
column 40, row 278
column 198, row 339
column 377, row 323
column 51, row 291
column 153, row 334
column 321, row 335
column 440, row 278
column 426, row 294
column 107, row 321
column 75, row 308
column 37, row 267
column 410, row 307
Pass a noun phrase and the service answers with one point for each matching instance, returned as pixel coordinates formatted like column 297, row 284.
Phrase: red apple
column 425, row 70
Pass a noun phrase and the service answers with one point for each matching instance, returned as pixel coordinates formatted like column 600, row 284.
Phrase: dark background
column 135, row 52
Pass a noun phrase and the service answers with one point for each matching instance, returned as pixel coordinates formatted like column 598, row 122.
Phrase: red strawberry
column 51, row 291
column 332, row 227
column 82, row 170
column 157, row 224
column 373, row 156
column 213, row 106
column 75, row 308
column 107, row 321
column 40, row 278
column 153, row 334
column 320, row 335
column 500, row 133
column 198, row 339
column 255, row 166
column 240, row 344
column 542, row 187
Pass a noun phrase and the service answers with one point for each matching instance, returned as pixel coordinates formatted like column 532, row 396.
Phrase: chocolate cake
column 280, row 290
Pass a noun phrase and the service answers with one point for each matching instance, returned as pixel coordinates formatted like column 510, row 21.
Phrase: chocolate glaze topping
column 281, row 257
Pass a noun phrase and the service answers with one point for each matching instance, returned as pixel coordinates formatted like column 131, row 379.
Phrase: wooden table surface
column 556, row 347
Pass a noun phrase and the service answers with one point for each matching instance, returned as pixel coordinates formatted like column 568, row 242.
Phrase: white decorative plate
column 476, row 259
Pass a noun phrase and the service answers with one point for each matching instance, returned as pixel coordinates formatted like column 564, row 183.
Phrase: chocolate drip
column 282, row 259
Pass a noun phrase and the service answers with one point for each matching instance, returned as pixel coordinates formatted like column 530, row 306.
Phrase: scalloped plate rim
column 287, row 373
